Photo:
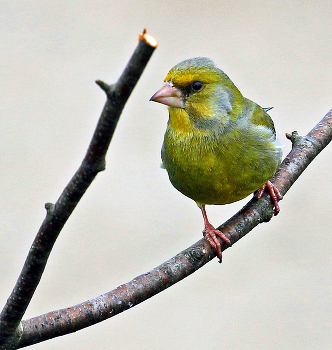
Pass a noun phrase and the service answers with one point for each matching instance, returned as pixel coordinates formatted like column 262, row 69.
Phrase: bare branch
column 69, row 320
column 58, row 214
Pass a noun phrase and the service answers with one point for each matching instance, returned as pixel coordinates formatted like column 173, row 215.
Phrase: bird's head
column 200, row 88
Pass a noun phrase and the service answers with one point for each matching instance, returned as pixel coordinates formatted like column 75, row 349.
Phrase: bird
column 219, row 147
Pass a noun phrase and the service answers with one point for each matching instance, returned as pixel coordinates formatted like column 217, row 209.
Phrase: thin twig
column 58, row 214
column 71, row 319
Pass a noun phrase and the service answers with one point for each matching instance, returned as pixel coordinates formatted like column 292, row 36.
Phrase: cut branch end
column 150, row 40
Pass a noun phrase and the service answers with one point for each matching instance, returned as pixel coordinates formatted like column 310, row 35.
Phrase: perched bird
column 219, row 146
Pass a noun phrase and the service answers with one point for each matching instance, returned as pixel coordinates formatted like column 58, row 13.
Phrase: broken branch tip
column 147, row 38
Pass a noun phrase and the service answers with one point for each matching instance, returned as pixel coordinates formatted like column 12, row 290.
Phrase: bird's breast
column 216, row 169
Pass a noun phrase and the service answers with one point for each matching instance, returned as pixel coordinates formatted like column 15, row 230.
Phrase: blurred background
column 273, row 290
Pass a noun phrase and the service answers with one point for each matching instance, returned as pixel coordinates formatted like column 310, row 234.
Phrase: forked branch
column 58, row 214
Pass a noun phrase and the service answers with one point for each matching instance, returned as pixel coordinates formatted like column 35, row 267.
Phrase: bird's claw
column 274, row 193
column 210, row 233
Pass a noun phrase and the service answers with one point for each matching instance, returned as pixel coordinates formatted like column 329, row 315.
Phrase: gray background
column 273, row 290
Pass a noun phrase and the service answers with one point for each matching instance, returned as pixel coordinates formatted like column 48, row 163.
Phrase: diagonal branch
column 71, row 319
column 58, row 214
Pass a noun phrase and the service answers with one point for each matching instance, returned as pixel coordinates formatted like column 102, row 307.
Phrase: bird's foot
column 274, row 193
column 210, row 233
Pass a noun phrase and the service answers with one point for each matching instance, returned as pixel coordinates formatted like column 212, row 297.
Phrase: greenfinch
column 219, row 146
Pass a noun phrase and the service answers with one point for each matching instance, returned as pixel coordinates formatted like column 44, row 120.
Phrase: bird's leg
column 210, row 233
column 274, row 193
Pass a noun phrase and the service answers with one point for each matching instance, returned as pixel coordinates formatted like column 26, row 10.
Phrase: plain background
column 273, row 290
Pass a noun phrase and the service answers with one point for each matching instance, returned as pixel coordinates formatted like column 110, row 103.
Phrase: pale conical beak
column 170, row 96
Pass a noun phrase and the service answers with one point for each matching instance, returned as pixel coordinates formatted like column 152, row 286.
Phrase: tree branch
column 58, row 214
column 71, row 319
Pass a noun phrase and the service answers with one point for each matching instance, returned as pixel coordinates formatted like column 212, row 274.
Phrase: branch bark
column 92, row 311
column 58, row 214
column 15, row 333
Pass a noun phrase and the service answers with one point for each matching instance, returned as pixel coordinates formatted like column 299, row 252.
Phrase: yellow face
column 197, row 81
column 207, row 95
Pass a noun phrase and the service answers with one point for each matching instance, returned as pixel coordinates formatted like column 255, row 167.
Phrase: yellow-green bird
column 219, row 146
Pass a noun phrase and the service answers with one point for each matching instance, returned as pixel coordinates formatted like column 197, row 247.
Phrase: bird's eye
column 196, row 86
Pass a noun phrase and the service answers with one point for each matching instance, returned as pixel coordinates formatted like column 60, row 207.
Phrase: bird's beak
column 170, row 96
